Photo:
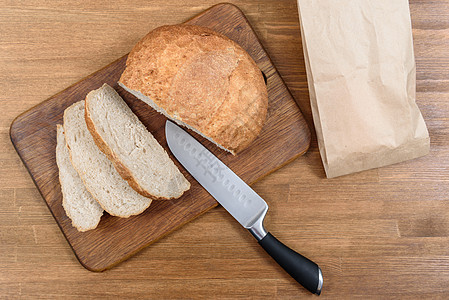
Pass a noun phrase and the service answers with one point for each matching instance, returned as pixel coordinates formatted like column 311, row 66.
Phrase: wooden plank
column 284, row 137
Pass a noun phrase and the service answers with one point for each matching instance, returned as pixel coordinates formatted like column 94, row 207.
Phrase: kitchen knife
column 247, row 207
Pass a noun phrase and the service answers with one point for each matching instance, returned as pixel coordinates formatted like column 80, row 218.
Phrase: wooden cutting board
column 284, row 137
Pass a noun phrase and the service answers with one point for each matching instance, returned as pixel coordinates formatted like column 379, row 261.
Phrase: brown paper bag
column 362, row 80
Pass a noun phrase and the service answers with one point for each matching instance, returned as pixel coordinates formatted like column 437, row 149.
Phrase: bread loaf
column 200, row 79
column 100, row 177
column 135, row 153
column 78, row 203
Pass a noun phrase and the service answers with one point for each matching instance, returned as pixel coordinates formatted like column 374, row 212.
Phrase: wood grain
column 381, row 233
column 284, row 137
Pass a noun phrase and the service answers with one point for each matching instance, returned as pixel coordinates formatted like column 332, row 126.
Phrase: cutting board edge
column 22, row 114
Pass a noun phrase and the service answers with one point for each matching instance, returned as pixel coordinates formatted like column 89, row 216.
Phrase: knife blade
column 241, row 201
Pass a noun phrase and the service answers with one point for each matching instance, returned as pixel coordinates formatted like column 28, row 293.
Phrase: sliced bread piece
column 78, row 203
column 100, row 177
column 135, row 153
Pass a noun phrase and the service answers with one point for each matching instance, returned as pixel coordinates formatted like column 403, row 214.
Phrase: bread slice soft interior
column 98, row 173
column 78, row 203
column 136, row 154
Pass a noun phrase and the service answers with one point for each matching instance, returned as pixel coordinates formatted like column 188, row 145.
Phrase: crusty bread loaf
column 78, row 203
column 100, row 177
column 136, row 154
column 200, row 79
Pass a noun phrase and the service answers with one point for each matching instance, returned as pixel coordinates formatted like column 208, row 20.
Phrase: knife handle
column 303, row 270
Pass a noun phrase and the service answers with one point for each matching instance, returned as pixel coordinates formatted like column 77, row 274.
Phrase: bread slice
column 201, row 79
column 135, row 153
column 100, row 177
column 78, row 203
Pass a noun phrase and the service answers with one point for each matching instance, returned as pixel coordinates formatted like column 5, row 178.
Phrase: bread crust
column 124, row 172
column 203, row 79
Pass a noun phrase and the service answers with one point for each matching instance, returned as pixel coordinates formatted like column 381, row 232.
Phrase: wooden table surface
column 379, row 233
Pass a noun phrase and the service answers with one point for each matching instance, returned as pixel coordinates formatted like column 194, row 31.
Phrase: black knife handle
column 303, row 270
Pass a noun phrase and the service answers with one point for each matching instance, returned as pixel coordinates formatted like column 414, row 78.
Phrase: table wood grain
column 382, row 233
